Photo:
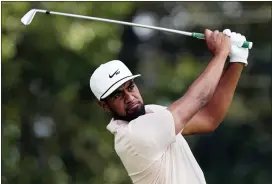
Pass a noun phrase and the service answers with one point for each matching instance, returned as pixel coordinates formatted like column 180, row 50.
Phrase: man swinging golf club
column 149, row 138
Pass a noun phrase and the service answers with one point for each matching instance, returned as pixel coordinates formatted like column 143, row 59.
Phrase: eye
column 117, row 95
column 130, row 88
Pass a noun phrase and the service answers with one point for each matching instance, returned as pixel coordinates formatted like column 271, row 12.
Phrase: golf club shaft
column 121, row 22
column 246, row 44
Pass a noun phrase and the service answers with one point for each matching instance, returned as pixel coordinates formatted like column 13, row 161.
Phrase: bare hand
column 217, row 42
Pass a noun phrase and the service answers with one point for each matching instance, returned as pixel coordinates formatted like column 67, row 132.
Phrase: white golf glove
column 238, row 54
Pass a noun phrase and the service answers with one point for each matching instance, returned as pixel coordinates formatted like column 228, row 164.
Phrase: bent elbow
column 213, row 126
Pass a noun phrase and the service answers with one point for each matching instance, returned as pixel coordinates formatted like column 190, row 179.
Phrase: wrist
column 236, row 59
column 222, row 54
column 236, row 64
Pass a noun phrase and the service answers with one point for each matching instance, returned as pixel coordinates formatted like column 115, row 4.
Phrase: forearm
column 211, row 115
column 219, row 104
column 206, row 84
column 199, row 93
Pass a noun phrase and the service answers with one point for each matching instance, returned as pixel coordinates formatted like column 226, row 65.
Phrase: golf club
column 28, row 17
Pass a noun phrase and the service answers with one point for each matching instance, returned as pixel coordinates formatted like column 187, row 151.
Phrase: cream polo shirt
column 152, row 153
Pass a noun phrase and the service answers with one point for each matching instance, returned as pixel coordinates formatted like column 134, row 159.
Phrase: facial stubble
column 129, row 116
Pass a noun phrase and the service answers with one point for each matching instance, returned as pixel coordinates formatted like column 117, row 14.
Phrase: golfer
column 149, row 138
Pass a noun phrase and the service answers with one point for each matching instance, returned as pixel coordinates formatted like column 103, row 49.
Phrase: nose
column 128, row 97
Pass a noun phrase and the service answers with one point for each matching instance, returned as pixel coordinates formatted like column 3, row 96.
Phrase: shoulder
column 153, row 113
column 154, row 107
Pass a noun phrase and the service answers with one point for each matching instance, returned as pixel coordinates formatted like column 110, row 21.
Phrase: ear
column 104, row 106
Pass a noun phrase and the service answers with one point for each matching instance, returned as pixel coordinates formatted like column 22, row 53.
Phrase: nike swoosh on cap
column 115, row 73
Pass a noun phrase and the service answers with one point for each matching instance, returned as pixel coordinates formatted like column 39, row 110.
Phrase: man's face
column 125, row 103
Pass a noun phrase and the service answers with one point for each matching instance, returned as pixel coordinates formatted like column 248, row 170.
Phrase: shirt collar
column 115, row 124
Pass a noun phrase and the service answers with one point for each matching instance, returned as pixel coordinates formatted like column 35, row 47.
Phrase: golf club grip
column 246, row 44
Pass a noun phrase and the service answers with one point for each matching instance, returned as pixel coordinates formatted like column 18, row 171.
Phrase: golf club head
column 28, row 17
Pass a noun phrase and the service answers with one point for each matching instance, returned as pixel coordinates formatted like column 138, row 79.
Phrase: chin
column 133, row 115
column 139, row 111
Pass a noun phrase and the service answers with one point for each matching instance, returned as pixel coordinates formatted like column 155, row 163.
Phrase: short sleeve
column 152, row 133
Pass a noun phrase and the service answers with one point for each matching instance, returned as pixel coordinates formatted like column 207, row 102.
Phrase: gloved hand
column 237, row 54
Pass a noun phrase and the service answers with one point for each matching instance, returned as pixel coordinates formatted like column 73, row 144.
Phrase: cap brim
column 117, row 85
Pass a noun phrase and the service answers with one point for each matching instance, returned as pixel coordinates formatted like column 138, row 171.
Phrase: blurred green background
column 53, row 131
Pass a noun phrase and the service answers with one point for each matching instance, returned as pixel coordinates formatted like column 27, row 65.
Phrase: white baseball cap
column 108, row 77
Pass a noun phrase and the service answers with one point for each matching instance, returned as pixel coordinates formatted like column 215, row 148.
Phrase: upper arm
column 152, row 133
column 202, row 122
column 184, row 109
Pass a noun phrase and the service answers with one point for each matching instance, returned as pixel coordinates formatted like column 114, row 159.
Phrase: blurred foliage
column 53, row 131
